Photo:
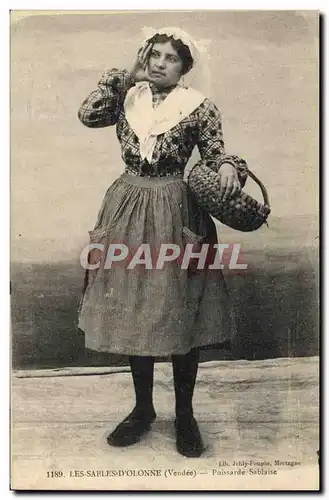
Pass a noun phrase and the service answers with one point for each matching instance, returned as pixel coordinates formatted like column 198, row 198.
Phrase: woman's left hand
column 229, row 181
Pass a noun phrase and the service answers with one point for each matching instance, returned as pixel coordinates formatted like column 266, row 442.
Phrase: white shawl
column 148, row 122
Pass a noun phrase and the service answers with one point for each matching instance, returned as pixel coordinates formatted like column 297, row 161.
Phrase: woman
column 142, row 312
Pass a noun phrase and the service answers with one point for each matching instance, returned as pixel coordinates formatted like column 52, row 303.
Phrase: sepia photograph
column 164, row 250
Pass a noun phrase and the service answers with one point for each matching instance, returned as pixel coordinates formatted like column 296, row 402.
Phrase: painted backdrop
column 264, row 79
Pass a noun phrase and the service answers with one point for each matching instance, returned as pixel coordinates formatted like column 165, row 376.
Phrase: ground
column 247, row 410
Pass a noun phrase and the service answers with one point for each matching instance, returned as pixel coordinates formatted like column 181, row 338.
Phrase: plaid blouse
column 202, row 128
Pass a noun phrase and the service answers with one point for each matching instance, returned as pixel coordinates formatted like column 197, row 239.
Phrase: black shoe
column 131, row 429
column 188, row 438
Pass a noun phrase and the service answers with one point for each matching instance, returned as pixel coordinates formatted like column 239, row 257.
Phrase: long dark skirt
column 144, row 310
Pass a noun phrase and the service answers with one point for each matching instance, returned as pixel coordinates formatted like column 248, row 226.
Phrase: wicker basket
column 242, row 212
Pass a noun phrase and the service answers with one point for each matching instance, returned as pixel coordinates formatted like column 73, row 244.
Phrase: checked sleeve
column 211, row 143
column 103, row 106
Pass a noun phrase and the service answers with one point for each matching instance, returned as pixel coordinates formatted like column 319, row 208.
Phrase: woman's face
column 165, row 65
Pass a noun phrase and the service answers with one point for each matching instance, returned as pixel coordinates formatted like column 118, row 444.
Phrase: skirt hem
column 225, row 344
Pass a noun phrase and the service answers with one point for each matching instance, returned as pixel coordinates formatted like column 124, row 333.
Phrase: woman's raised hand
column 139, row 70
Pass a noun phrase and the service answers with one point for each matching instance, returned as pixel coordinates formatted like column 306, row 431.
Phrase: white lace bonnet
column 198, row 76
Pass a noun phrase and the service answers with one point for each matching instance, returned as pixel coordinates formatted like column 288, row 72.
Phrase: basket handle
column 262, row 187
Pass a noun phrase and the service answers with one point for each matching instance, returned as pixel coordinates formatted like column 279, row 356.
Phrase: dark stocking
column 188, row 438
column 142, row 370
column 185, row 370
column 139, row 421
